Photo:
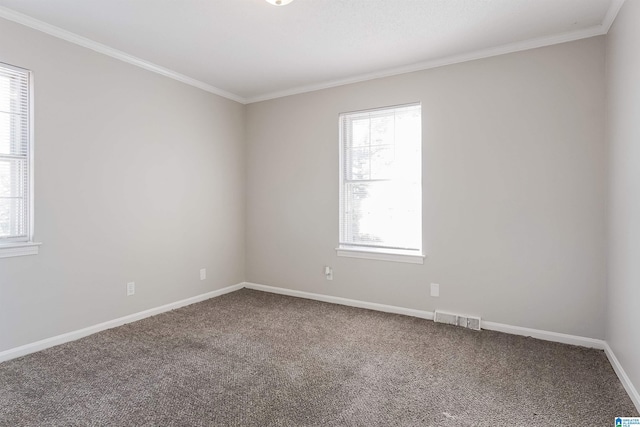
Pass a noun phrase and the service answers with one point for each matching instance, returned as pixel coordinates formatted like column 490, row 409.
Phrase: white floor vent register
column 469, row 322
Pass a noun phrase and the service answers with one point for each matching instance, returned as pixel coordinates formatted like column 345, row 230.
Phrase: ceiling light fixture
column 279, row 2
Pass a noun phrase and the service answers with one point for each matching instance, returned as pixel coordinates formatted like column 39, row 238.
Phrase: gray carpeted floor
column 256, row 359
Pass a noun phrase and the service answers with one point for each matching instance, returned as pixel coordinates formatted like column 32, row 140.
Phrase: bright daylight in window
column 15, row 163
column 381, row 184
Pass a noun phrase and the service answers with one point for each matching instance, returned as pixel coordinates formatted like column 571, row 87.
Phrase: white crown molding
column 611, row 15
column 441, row 62
column 81, row 333
column 52, row 30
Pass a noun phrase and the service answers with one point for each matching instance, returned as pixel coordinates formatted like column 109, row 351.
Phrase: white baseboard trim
column 342, row 301
column 622, row 375
column 545, row 335
column 13, row 353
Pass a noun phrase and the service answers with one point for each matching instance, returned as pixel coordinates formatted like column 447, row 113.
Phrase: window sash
column 15, row 155
column 381, row 204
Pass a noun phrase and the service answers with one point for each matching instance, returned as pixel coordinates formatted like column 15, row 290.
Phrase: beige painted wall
column 138, row 178
column 623, row 108
column 514, row 190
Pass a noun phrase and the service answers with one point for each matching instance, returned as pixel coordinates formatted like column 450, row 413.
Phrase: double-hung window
column 16, row 206
column 381, row 184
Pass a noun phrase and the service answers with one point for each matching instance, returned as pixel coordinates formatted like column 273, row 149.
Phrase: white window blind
column 381, row 180
column 15, row 194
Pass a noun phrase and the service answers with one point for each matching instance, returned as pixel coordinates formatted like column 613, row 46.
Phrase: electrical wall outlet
column 203, row 273
column 131, row 288
column 435, row 290
column 328, row 273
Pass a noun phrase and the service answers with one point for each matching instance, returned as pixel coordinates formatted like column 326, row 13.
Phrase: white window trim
column 379, row 254
column 19, row 249
column 411, row 257
column 29, row 247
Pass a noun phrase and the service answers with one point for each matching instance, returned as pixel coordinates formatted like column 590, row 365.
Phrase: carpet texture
column 256, row 359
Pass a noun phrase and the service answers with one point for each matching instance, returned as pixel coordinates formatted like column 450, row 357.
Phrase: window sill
column 382, row 255
column 19, row 249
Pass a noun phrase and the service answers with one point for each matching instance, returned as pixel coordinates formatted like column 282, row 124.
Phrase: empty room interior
column 314, row 212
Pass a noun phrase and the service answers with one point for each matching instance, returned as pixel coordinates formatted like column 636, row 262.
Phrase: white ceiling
column 249, row 50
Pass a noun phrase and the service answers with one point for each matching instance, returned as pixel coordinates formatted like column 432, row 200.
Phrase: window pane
column 382, row 128
column 13, row 134
column 358, row 163
column 12, row 177
column 11, row 218
column 359, row 133
column 5, row 93
column 382, row 161
column 5, row 133
column 383, row 214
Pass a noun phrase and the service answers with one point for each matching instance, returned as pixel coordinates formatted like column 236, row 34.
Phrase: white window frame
column 13, row 247
column 372, row 253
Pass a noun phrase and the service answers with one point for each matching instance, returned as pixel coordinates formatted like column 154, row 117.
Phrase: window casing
column 381, row 184
column 16, row 184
